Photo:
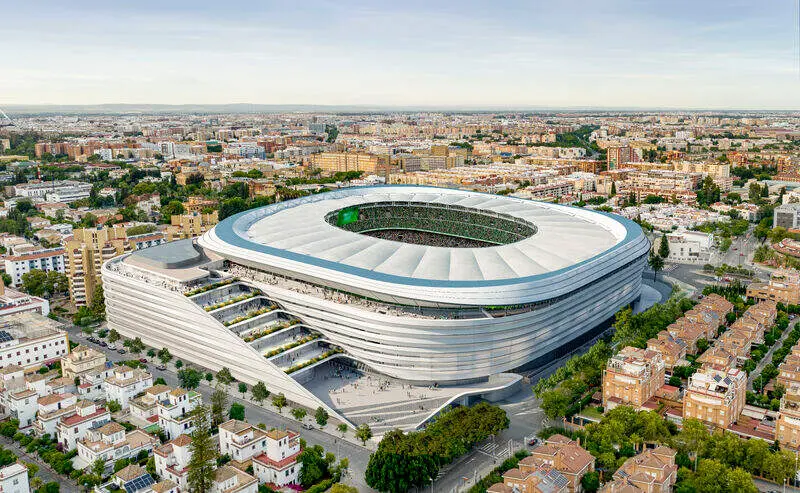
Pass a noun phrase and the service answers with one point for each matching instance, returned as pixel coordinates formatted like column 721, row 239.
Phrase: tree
column 298, row 413
column 236, row 411
column 179, row 364
column 33, row 282
column 136, row 346
column 189, row 378
column 99, row 467
column 174, row 207
column 693, row 436
column 279, row 401
column 313, row 465
column 363, row 433
column 260, row 392
column 219, row 403
column 224, row 376
column 200, row 475
column 242, row 388
column 209, row 377
column 663, row 248
column 321, row 415
column 113, row 336
column 656, row 263
column 613, row 189
column 342, row 427
column 113, row 407
column 164, row 355
column 151, row 353
column 780, row 466
column 590, row 482
column 98, row 303
column 343, row 488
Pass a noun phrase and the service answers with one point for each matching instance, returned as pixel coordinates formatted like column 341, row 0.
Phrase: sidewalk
column 46, row 473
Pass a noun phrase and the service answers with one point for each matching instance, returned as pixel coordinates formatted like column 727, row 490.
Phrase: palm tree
column 656, row 263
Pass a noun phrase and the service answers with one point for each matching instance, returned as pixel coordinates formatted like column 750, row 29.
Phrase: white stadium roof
column 565, row 236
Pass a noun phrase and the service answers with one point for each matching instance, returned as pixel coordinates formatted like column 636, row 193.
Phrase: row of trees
column 567, row 389
column 406, row 460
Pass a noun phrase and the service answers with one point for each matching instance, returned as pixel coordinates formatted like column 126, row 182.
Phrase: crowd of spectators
column 441, row 221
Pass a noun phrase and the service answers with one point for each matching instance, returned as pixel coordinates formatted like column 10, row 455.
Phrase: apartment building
column 671, row 349
column 689, row 333
column 47, row 259
column 190, row 225
column 145, row 406
column 125, row 383
column 632, row 377
column 616, row 157
column 787, row 428
column 174, row 412
column 543, row 479
column 88, row 415
column 83, row 360
column 172, row 460
column 333, row 162
column 783, row 287
column 65, row 191
column 51, row 409
column 715, row 396
column 789, row 370
column 277, row 463
column 228, row 479
column 90, row 248
column 786, row 216
column 14, row 478
column 29, row 339
column 564, row 455
column 13, row 301
column 111, row 443
column 652, row 471
column 241, row 441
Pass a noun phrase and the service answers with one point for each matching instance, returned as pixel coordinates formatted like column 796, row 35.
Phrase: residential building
column 689, row 246
column 110, row 443
column 632, row 377
column 671, row 349
column 783, row 287
column 243, row 442
column 787, row 428
column 543, row 479
column 81, row 361
column 166, row 486
column 51, row 409
column 14, row 478
column 563, row 454
column 145, row 406
column 29, row 339
column 277, row 463
column 88, row 415
column 172, row 460
column 13, row 301
column 190, row 225
column 617, row 157
column 65, row 191
column 228, row 479
column 652, row 471
column 174, row 412
column 126, row 383
column 715, row 395
column 47, row 259
column 789, row 370
column 90, row 248
column 131, row 479
column 334, row 162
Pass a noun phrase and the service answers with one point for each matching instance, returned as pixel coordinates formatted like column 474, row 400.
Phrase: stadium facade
column 423, row 284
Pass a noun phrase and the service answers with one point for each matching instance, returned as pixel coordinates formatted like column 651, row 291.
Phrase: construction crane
column 5, row 121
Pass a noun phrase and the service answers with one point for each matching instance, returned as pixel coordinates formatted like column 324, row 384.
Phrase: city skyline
column 713, row 55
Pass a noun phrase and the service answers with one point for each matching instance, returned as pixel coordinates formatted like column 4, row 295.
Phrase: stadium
column 429, row 286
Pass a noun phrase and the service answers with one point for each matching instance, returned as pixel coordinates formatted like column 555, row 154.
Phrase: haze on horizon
column 620, row 53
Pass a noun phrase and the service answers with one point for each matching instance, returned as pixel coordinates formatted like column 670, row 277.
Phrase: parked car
column 308, row 426
column 112, row 346
column 103, row 343
column 121, row 351
column 142, row 360
column 161, row 367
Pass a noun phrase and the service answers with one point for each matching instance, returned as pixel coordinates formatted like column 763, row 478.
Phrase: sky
column 736, row 54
